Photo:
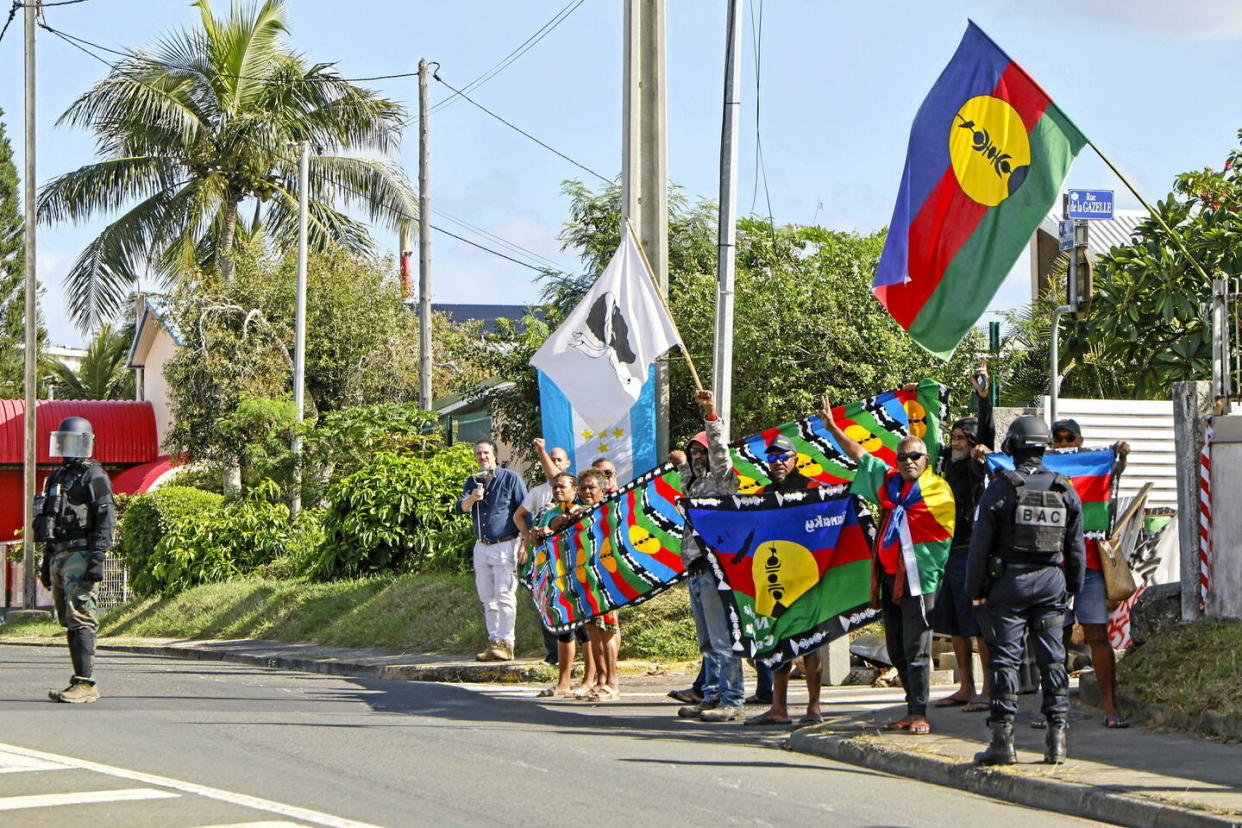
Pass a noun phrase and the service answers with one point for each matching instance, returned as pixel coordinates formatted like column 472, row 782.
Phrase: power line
column 516, row 128
column 530, row 42
column 12, row 13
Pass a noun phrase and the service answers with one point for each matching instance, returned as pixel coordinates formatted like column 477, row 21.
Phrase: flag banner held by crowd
column 987, row 155
column 794, row 567
column 627, row 549
column 600, row 355
column 1093, row 473
column 630, row 442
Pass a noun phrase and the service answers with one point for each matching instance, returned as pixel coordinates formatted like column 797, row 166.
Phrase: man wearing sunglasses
column 915, row 532
column 1091, row 608
column 609, row 470
column 782, row 461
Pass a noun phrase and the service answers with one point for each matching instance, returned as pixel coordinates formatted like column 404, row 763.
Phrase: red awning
column 138, row 479
column 124, row 429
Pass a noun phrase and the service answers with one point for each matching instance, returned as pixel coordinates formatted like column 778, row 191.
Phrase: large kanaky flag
column 600, row 355
column 988, row 153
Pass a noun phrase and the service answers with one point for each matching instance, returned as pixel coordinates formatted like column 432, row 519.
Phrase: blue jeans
column 722, row 668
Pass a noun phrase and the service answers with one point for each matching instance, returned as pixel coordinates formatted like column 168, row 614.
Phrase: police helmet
column 75, row 438
column 1026, row 434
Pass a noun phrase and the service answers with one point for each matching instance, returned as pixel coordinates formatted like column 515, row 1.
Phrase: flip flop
column 976, row 707
column 951, row 701
column 766, row 720
column 920, row 728
column 1039, row 724
column 1115, row 722
column 810, row 719
column 895, row 724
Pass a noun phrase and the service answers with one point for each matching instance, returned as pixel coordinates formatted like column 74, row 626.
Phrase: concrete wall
column 1225, row 590
column 1191, row 403
column 154, row 387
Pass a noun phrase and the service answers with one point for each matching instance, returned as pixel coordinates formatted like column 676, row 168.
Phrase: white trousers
column 495, row 578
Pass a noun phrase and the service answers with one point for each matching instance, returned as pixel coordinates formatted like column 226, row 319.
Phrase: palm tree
column 103, row 374
column 200, row 124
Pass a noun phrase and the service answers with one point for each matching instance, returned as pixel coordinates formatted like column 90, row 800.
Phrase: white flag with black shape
column 600, row 355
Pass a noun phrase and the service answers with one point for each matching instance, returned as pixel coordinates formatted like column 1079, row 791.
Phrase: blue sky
column 1153, row 83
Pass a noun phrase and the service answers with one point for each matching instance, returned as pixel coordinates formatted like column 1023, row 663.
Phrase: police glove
column 45, row 571
column 94, row 566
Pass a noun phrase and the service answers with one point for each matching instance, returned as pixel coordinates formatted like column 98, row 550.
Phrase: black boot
column 1056, row 742
column 1001, row 751
column 82, row 652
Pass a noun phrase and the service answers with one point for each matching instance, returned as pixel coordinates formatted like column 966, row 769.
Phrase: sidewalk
column 1136, row 776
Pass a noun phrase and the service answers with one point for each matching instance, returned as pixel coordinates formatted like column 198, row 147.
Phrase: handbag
column 1119, row 582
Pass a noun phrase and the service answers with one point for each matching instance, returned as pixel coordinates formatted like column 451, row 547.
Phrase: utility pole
column 726, row 244
column 299, row 337
column 32, row 316
column 424, row 244
column 644, row 162
column 406, row 253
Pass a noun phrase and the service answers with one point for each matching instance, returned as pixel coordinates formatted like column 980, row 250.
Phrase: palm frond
column 104, row 186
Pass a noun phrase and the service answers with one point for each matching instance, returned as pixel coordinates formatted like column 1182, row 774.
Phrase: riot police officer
column 75, row 518
column 1026, row 557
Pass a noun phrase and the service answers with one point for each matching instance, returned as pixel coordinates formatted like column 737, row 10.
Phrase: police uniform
column 75, row 516
column 1026, row 558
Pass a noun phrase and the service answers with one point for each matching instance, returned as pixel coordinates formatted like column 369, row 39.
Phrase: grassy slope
column 1191, row 667
column 424, row 613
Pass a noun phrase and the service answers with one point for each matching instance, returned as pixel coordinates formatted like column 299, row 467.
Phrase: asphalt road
column 187, row 743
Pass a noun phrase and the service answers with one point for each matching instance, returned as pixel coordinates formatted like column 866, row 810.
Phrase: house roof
column 487, row 314
column 156, row 313
column 124, row 429
column 1102, row 234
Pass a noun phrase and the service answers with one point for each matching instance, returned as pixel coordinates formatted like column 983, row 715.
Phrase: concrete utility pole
column 32, row 316
column 726, row 245
column 299, row 337
column 424, row 244
column 644, row 163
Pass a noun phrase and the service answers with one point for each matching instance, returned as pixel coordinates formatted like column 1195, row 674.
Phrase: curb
column 484, row 673
column 1068, row 798
column 1213, row 725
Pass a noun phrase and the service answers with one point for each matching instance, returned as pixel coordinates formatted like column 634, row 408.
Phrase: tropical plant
column 12, row 274
column 102, row 374
column 199, row 125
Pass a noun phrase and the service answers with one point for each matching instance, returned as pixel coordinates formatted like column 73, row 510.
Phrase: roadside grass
column 1191, row 667
column 421, row 613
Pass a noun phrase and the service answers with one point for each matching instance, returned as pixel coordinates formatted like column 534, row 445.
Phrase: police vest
column 63, row 512
column 1039, row 519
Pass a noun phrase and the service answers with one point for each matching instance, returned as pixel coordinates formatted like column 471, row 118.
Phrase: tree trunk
column 224, row 255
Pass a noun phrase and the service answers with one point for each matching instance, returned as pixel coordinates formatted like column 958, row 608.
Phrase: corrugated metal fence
column 112, row 591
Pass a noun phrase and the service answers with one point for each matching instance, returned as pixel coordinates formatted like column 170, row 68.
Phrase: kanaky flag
column 600, row 355
column 988, row 153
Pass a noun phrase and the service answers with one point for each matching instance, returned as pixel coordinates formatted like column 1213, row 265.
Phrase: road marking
column 255, row 825
column 12, row 763
column 244, row 800
column 13, row 803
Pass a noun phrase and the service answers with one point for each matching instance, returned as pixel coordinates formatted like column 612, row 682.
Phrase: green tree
column 12, row 272
column 103, row 374
column 202, row 123
column 805, row 320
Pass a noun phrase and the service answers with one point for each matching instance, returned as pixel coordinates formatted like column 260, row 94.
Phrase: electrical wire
column 518, row 129
column 530, row 42
column 12, row 13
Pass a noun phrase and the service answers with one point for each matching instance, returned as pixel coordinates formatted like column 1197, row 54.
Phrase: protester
column 603, row 631
column 74, row 519
column 965, row 468
column 911, row 547
column 537, row 499
column 609, row 469
column 782, row 458
column 564, row 494
column 708, row 471
column 1026, row 554
column 1091, row 608
column 490, row 497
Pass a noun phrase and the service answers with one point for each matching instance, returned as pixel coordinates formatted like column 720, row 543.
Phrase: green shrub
column 149, row 516
column 395, row 514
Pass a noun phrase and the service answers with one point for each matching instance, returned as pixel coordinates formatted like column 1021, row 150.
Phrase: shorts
column 578, row 633
column 953, row 613
column 1091, row 604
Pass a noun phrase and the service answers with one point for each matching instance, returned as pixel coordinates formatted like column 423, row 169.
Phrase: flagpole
column 1176, row 240
column 681, row 343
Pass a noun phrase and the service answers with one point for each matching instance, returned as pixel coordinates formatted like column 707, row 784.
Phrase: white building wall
column 154, row 387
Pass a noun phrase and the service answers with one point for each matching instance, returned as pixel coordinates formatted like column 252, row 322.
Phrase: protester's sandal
column 1116, row 722
column 766, row 719
column 976, row 707
column 603, row 694
column 896, row 724
column 755, row 698
column 687, row 696
column 810, row 719
column 549, row 692
column 1039, row 723
column 920, row 728
column 951, row 701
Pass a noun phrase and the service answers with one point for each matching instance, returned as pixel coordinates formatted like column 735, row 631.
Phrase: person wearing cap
column 707, row 470
column 782, row 462
column 965, row 468
column 915, row 531
column 1091, row 608
column 609, row 470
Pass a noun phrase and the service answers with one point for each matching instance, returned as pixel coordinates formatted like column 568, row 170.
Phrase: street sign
column 1089, row 204
column 1065, row 234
